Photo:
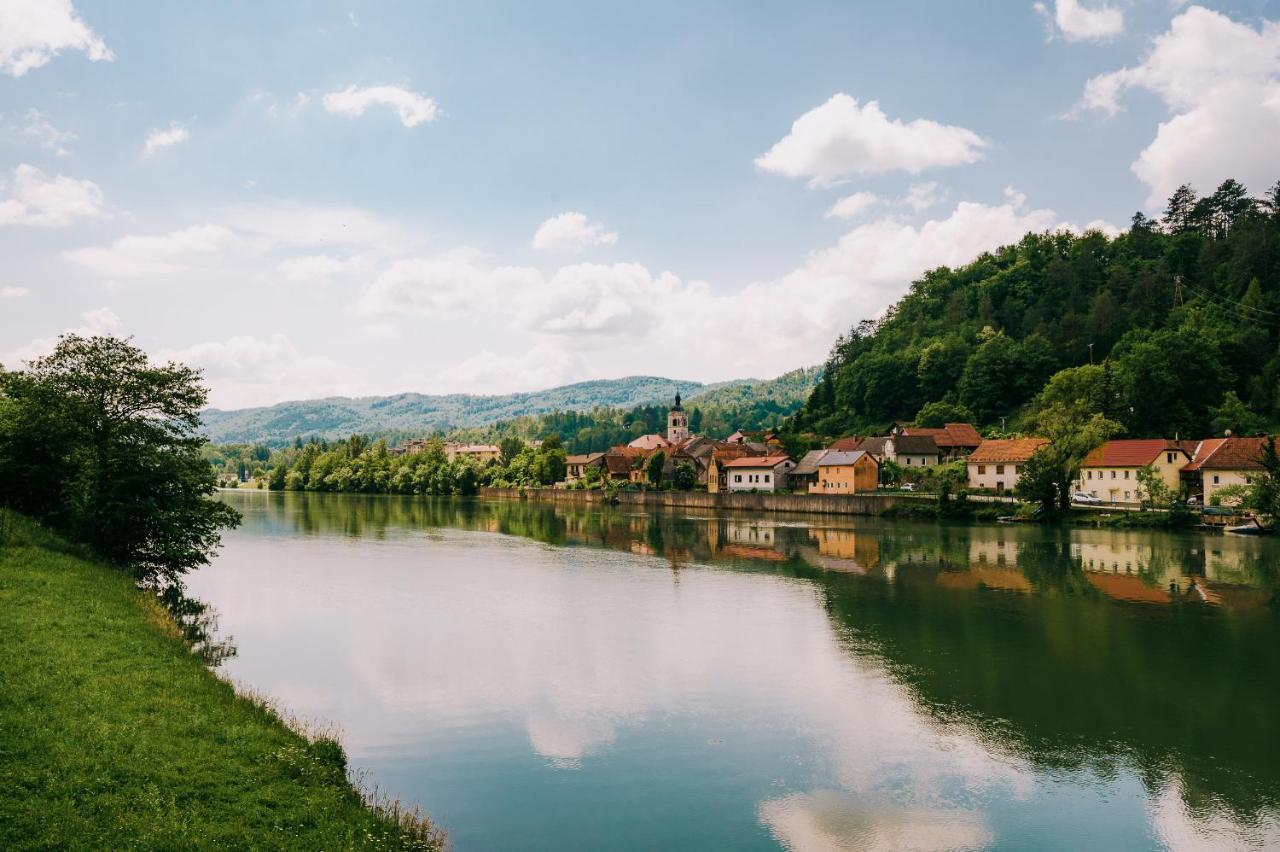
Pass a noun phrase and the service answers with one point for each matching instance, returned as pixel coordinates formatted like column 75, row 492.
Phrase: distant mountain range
column 338, row 417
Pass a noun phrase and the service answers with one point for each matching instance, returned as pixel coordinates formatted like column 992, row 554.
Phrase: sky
column 317, row 198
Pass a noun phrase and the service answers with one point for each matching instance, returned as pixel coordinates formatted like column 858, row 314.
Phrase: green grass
column 114, row 736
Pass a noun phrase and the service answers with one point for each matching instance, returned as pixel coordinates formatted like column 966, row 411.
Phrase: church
column 677, row 431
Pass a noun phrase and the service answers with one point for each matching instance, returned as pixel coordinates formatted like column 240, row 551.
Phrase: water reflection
column 829, row 685
column 198, row 624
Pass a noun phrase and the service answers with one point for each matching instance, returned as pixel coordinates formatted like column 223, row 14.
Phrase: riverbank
column 812, row 504
column 114, row 735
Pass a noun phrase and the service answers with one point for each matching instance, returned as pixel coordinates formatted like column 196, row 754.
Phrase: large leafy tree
column 115, row 454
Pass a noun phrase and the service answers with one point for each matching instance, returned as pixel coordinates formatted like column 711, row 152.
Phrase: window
column 1000, row 470
column 1088, row 474
column 737, row 477
column 982, row 468
column 766, row 477
column 1215, row 479
column 1169, row 457
column 1126, row 474
column 1113, row 474
column 1126, row 495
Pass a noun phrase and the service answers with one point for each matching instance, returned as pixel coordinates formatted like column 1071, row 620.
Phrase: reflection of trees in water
column 198, row 623
column 1064, row 676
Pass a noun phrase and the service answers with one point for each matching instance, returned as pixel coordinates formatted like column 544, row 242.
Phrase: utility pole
column 1090, row 354
column 1177, row 290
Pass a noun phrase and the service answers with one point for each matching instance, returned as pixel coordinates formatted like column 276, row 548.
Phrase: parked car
column 908, row 486
column 1086, row 499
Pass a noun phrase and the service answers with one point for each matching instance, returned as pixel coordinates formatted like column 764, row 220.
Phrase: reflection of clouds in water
column 832, row 820
column 565, row 741
column 1179, row 830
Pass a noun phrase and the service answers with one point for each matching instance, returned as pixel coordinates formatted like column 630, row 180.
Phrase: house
column 723, row 453
column 805, row 474
column 954, row 440
column 995, row 464
column 878, row 447
column 846, row 445
column 912, row 450
column 577, row 466
column 754, row 437
column 482, row 453
column 758, row 473
column 1219, row 462
column 846, row 473
column 1111, row 470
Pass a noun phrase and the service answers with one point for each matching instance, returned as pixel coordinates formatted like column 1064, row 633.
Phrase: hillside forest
column 1169, row 329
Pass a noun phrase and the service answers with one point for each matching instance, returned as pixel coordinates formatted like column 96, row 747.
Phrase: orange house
column 846, row 473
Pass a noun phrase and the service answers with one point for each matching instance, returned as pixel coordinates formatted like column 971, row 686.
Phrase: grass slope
column 113, row 735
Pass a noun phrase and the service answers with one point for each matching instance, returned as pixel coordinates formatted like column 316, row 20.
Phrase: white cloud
column 453, row 283
column 571, row 233
column 94, row 322
column 13, row 292
column 413, row 108
column 853, row 206
column 142, row 256
column 1221, row 81
column 38, row 126
column 37, row 199
column 167, row 137
column 312, row 269
column 33, row 31
column 272, row 223
column 246, row 370
column 922, row 196
column 1077, row 22
column 841, row 138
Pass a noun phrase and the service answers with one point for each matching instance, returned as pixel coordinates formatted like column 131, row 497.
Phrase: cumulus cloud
column 853, row 206
column 142, row 256
column 13, row 292
column 412, row 107
column 32, row 32
column 922, row 196
column 165, row 137
column 615, row 316
column 1077, row 22
column 842, row 138
column 34, row 198
column 571, row 233
column 1221, row 83
column 312, row 268
column 96, row 321
column 246, row 370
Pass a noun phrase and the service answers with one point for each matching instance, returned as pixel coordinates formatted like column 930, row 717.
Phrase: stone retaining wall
column 821, row 504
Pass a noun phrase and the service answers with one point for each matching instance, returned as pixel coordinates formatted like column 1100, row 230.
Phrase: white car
column 908, row 486
column 1086, row 499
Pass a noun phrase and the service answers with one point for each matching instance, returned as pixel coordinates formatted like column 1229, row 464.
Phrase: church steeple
column 677, row 423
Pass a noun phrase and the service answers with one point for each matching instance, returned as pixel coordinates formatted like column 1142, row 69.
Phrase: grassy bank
column 113, row 735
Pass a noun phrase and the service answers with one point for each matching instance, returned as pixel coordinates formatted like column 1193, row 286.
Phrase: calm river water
column 550, row 677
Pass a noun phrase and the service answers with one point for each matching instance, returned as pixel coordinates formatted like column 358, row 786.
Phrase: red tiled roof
column 845, row 445
column 1130, row 453
column 950, row 435
column 1231, row 454
column 1007, row 450
column 758, row 461
column 1203, row 450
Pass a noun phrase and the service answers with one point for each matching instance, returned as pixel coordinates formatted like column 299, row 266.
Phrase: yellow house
column 1110, row 472
column 846, row 473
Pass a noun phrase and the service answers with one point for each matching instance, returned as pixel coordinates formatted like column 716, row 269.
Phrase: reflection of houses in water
column 752, row 540
column 846, row 549
column 993, row 564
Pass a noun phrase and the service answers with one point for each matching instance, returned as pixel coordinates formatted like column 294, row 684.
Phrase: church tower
column 677, row 423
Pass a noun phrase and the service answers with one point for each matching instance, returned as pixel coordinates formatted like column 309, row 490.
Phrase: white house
column 758, row 473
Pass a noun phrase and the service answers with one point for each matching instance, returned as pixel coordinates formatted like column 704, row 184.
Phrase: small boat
column 1252, row 526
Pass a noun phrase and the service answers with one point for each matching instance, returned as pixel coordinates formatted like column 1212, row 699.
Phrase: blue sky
column 369, row 197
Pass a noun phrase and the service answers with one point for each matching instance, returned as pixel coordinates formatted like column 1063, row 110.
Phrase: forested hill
column 1180, row 318
column 419, row 414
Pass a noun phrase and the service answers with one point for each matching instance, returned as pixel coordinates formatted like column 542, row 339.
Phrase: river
column 542, row 676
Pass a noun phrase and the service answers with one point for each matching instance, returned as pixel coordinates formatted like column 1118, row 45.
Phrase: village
column 757, row 462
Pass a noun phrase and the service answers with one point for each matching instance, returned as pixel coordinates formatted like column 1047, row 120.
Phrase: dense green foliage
column 99, row 442
column 113, row 735
column 1182, row 318
column 357, row 465
column 415, row 415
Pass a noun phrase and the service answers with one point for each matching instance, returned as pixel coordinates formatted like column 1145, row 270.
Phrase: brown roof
column 1203, row 450
column 845, row 445
column 872, row 445
column 1007, row 450
column 1230, row 454
column 950, row 435
column 915, row 445
column 839, row 459
column 617, row 463
column 808, row 465
column 1130, row 453
column 649, row 442
column 758, row 461
column 587, row 458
